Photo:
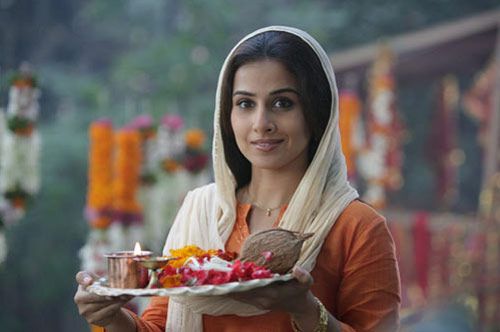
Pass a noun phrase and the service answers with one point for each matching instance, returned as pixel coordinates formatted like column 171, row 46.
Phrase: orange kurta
column 355, row 277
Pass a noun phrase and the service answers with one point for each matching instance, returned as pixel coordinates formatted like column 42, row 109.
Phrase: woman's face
column 267, row 117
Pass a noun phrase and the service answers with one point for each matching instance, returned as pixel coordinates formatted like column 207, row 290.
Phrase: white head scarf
column 208, row 214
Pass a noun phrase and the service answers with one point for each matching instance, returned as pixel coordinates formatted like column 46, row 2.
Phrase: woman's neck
column 272, row 189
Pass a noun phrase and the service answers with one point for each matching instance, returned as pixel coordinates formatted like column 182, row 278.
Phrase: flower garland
column 127, row 166
column 381, row 160
column 113, row 179
column 349, row 120
column 144, row 124
column 19, row 150
column 100, row 175
column 98, row 210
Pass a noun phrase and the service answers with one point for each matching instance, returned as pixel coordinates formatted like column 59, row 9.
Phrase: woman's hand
column 293, row 296
column 97, row 310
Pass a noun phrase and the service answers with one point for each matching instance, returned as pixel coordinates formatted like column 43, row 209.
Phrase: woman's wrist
column 122, row 321
column 307, row 308
column 313, row 318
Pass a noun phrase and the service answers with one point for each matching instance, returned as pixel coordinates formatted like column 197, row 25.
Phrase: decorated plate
column 100, row 288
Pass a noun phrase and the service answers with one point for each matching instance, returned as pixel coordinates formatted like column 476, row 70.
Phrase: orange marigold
column 350, row 108
column 184, row 253
column 127, row 166
column 171, row 281
column 171, row 166
column 99, row 194
column 195, row 138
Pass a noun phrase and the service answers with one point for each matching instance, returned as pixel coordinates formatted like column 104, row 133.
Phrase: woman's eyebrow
column 275, row 92
column 245, row 93
column 282, row 90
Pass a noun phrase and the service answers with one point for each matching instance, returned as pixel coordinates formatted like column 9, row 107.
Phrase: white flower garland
column 19, row 154
column 19, row 164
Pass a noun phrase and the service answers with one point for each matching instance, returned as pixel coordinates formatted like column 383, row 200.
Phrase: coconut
column 276, row 249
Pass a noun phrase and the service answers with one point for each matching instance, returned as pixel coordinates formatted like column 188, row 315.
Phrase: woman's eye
column 283, row 103
column 244, row 103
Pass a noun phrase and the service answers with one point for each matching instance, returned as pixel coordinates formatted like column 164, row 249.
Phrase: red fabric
column 422, row 243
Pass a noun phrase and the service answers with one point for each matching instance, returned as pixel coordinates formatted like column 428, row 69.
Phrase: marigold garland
column 100, row 175
column 350, row 108
column 127, row 168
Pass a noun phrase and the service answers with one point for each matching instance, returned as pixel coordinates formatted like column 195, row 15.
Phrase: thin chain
column 263, row 208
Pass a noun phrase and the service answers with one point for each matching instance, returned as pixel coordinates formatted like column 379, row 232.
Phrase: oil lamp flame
column 137, row 249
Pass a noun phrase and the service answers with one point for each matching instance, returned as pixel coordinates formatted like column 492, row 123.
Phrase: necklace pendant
column 268, row 212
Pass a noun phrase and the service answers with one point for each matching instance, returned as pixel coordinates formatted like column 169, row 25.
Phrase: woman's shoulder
column 204, row 192
column 358, row 221
column 359, row 215
column 209, row 188
column 359, row 232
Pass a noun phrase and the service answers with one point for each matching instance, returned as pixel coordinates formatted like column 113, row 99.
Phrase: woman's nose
column 263, row 121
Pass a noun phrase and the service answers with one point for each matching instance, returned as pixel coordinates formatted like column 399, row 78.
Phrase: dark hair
column 315, row 91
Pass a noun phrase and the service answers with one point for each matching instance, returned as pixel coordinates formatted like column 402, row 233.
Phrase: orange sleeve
column 153, row 319
column 369, row 293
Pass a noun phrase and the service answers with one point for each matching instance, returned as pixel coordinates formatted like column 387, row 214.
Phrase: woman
column 277, row 162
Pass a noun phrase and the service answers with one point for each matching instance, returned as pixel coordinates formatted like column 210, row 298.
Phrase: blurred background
column 417, row 99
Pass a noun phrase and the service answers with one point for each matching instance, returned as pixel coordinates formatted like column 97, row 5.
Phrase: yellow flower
column 184, row 253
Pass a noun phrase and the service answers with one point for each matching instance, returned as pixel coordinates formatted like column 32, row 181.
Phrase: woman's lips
column 266, row 145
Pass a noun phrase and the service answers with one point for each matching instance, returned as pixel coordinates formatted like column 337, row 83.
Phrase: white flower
column 24, row 102
column 19, row 165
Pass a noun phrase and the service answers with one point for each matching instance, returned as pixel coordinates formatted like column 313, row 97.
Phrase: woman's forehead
column 264, row 75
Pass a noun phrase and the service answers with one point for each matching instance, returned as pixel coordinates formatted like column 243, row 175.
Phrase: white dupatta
column 208, row 214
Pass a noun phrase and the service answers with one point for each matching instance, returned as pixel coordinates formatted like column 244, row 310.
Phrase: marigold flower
column 100, row 176
column 171, row 166
column 195, row 138
column 127, row 167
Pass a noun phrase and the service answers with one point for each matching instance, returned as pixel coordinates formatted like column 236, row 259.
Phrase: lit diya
column 124, row 271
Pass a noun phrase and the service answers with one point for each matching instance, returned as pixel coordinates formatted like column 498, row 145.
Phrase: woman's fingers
column 96, row 309
column 302, row 276
column 282, row 296
column 85, row 278
column 99, row 310
column 82, row 296
column 104, row 315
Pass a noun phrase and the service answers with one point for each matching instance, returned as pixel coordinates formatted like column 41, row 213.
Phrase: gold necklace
column 267, row 209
